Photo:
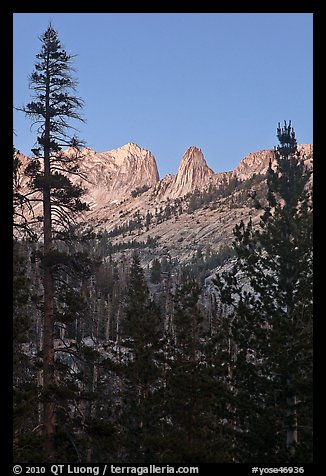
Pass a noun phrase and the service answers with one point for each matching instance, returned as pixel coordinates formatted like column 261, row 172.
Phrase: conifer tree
column 21, row 223
column 156, row 270
column 269, row 292
column 26, row 444
column 54, row 105
column 141, row 332
column 184, row 378
column 193, row 398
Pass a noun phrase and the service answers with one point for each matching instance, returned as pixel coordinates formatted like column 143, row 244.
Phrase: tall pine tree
column 269, row 291
column 54, row 105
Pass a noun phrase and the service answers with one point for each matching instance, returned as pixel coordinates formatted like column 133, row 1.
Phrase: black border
column 6, row 18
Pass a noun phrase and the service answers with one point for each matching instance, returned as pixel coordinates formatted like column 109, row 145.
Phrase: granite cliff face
column 115, row 174
column 112, row 176
column 137, row 168
column 192, row 174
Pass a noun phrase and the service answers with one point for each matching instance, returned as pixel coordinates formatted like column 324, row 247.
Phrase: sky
column 167, row 81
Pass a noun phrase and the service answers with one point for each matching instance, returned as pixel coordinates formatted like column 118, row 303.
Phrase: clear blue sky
column 219, row 81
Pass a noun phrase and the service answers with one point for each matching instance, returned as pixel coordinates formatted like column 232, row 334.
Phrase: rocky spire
column 193, row 173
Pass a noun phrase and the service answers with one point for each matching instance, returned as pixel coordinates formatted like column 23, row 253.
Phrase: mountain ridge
column 178, row 213
column 120, row 171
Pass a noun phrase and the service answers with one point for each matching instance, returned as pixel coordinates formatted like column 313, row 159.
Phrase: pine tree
column 141, row 330
column 22, row 225
column 53, row 105
column 269, row 292
column 194, row 394
column 156, row 270
column 26, row 444
column 183, row 381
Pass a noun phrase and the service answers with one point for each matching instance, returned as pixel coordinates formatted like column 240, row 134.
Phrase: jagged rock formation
column 258, row 162
column 192, row 174
column 253, row 163
column 114, row 175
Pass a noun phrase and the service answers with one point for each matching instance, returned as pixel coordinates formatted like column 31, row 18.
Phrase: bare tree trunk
column 93, row 410
column 292, row 430
column 108, row 320
column 117, row 329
